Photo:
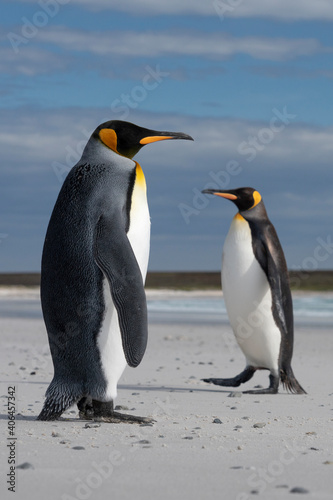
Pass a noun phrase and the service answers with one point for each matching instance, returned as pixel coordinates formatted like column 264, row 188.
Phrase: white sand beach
column 204, row 443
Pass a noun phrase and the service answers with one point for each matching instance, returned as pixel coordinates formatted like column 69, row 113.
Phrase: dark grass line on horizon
column 301, row 280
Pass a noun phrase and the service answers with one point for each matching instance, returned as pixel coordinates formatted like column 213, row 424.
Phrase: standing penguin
column 257, row 294
column 94, row 265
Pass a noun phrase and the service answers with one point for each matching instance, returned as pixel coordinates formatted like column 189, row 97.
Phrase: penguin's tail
column 59, row 397
column 290, row 383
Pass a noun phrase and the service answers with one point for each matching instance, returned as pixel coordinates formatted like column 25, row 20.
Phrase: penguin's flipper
column 114, row 256
column 270, row 256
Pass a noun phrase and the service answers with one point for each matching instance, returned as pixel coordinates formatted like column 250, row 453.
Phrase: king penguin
column 257, row 294
column 94, row 265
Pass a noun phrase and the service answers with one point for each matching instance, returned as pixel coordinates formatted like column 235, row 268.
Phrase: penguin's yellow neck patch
column 239, row 217
column 109, row 138
column 257, row 198
column 140, row 178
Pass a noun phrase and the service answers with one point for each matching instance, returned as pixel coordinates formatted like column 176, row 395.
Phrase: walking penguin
column 257, row 294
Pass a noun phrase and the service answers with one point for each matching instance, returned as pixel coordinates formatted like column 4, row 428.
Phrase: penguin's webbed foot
column 244, row 376
column 269, row 390
column 91, row 409
column 85, row 406
column 272, row 389
column 226, row 382
column 118, row 418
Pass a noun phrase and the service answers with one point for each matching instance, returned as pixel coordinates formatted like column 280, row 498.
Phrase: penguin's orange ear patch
column 109, row 138
column 228, row 196
column 257, row 198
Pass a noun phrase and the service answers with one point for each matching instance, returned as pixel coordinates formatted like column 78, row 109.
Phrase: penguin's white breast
column 248, row 298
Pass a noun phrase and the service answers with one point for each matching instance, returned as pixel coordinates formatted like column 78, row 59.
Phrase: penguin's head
column 244, row 198
column 127, row 139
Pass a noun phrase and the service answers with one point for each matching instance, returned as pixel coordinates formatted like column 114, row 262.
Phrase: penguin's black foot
column 269, row 390
column 90, row 409
column 118, row 418
column 225, row 382
column 85, row 406
column 235, row 381
column 272, row 389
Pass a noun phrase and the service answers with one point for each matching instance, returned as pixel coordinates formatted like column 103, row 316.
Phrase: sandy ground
column 261, row 446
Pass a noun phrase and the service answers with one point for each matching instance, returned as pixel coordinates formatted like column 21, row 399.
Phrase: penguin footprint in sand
column 94, row 265
column 257, row 294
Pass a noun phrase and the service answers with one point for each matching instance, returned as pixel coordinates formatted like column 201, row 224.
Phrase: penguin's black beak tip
column 207, row 191
column 181, row 135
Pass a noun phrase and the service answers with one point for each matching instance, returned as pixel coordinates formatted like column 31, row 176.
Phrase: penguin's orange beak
column 228, row 196
column 154, row 138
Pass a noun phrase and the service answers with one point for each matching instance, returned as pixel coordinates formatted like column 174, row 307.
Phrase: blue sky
column 250, row 81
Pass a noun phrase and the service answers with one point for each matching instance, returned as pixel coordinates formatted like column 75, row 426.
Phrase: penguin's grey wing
column 269, row 253
column 114, row 256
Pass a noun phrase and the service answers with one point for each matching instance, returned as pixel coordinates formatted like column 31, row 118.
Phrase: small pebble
column 217, row 421
column 281, row 486
column 146, row 425
column 188, row 437
column 233, row 407
column 32, row 373
column 78, row 448
column 328, row 462
column 92, row 426
column 259, row 425
column 55, row 434
column 121, row 407
column 25, row 465
column 143, row 441
column 298, row 489
column 236, row 467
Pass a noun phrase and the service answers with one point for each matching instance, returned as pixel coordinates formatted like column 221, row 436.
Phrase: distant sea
column 309, row 308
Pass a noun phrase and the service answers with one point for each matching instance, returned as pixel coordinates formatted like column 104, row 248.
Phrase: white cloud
column 34, row 138
column 31, row 61
column 285, row 10
column 158, row 44
column 297, row 161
